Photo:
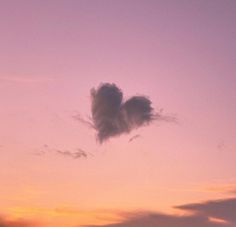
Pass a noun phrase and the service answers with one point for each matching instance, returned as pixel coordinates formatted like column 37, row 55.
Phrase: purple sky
column 181, row 54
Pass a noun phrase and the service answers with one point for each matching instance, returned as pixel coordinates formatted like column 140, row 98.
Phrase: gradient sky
column 180, row 53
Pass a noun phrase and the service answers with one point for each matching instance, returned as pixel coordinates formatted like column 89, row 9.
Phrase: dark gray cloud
column 162, row 220
column 222, row 209
column 112, row 116
column 218, row 213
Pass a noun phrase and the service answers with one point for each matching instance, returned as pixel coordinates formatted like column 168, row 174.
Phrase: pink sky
column 181, row 54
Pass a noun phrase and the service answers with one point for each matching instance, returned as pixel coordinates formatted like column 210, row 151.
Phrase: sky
column 180, row 54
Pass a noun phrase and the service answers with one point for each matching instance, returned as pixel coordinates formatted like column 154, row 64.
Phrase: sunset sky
column 181, row 54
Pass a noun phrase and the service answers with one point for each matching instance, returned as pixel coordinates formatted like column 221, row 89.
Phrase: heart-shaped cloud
column 113, row 116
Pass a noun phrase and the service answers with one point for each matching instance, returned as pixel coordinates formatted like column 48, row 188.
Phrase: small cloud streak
column 76, row 154
column 112, row 116
column 134, row 137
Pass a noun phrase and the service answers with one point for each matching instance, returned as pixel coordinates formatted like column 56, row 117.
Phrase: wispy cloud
column 134, row 137
column 88, row 122
column 74, row 154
